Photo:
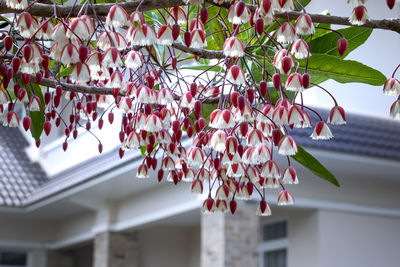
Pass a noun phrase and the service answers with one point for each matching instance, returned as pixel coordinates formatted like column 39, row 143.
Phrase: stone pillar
column 230, row 240
column 115, row 250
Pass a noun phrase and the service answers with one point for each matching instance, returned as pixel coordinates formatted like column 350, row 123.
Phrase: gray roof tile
column 19, row 177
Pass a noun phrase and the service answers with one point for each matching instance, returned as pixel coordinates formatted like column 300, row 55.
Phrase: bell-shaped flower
column 186, row 100
column 271, row 170
column 222, row 192
column 78, row 28
column 304, row 25
column 144, row 36
column 235, row 75
column 17, row 4
column 282, row 5
column 203, row 174
column 261, row 154
column 69, row 54
column 395, row 110
column 286, row 33
column 142, row 172
column 46, row 28
column 117, row 17
column 209, row 206
column 112, row 58
column 221, row 204
column 295, row 116
column 255, row 137
column 233, row 47
column 239, row 13
column 132, row 141
column 359, row 16
column 164, row 96
column 80, row 73
column 198, row 38
column 59, row 33
column 27, row 25
column 263, row 209
column 225, row 120
column 266, row 114
column 197, row 186
column 391, row 87
column 285, row 198
column 321, row 131
column 164, row 36
column 176, row 15
column 195, row 156
column 300, row 49
column 34, row 103
column 218, row 141
column 289, row 176
column 116, row 80
column 153, row 124
column 11, row 120
column 283, row 61
column 94, row 62
column 145, row 95
column 287, row 146
column 280, row 115
column 294, row 82
column 236, row 170
column 109, row 39
column 125, row 104
column 265, row 128
column 337, row 116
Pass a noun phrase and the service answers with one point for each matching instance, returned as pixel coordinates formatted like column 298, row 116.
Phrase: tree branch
column 46, row 10
column 91, row 89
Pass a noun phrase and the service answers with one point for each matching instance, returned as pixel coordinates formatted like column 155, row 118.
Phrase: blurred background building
column 80, row 209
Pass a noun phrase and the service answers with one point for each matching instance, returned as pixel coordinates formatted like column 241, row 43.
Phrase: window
column 273, row 246
column 12, row 259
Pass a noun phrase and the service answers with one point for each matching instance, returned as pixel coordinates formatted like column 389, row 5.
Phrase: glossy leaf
column 311, row 163
column 323, row 67
column 327, row 44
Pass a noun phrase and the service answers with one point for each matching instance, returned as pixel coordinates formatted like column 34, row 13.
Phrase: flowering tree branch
column 46, row 10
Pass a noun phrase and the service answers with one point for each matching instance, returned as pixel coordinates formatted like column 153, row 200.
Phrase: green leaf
column 311, row 163
column 37, row 117
column 65, row 71
column 325, row 67
column 327, row 44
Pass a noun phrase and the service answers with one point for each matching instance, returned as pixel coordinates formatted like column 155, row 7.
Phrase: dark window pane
column 274, row 231
column 275, row 258
column 13, row 258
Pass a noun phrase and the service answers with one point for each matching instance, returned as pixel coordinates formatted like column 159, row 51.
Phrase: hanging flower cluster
column 239, row 125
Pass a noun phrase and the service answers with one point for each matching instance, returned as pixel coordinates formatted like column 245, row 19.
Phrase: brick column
column 115, row 250
column 230, row 240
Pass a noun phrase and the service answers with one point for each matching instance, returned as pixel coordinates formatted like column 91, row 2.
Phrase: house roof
column 361, row 135
column 23, row 183
column 19, row 177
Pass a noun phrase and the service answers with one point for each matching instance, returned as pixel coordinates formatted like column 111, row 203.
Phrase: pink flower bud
column 175, row 31
column 276, row 79
column 8, row 42
column 47, row 127
column 233, row 206
column 390, row 3
column 65, row 146
column 234, row 98
column 26, row 122
column 204, row 15
column 342, row 46
column 239, row 8
column 276, row 136
column 187, row 38
column 250, row 95
column 15, row 64
column 174, row 61
column 241, row 102
column 263, row 88
column 83, row 52
column 306, row 80
column 28, row 53
column 260, row 26
column 110, row 117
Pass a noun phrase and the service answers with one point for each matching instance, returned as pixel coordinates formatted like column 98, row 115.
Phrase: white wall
column 169, row 246
column 358, row 240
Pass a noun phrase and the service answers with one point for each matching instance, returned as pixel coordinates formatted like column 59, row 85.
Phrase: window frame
column 14, row 251
column 272, row 245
